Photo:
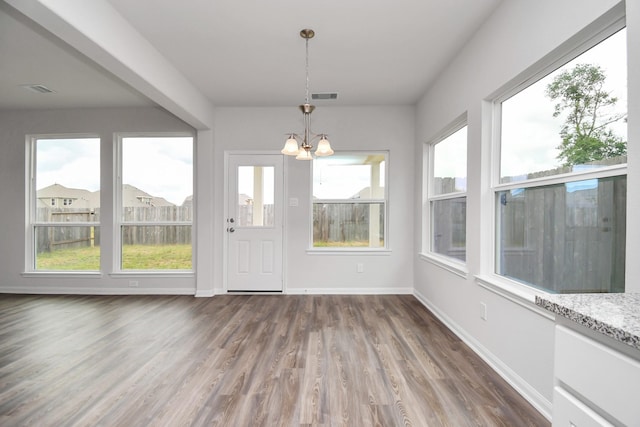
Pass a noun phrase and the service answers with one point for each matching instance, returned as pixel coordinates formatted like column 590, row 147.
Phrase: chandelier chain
column 307, row 70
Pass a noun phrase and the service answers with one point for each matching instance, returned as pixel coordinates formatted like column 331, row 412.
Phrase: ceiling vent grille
column 333, row 95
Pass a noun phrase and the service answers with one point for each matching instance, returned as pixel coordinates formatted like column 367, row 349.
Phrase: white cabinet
column 595, row 385
column 568, row 411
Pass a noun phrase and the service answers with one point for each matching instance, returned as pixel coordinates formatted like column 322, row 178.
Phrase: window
column 350, row 201
column 561, row 189
column 256, row 207
column 447, row 195
column 62, row 237
column 156, row 210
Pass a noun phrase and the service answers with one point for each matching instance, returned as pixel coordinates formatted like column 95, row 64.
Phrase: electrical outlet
column 483, row 311
column 360, row 267
column 133, row 283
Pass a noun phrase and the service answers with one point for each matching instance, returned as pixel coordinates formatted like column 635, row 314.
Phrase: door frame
column 225, row 213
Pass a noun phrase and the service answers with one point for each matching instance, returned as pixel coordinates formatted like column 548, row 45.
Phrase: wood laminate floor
column 242, row 360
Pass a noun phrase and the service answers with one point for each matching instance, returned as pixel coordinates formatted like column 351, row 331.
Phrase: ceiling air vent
column 333, row 95
column 38, row 88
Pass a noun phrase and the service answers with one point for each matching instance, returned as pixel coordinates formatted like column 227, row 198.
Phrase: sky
column 73, row 163
column 342, row 176
column 450, row 158
column 530, row 133
column 162, row 167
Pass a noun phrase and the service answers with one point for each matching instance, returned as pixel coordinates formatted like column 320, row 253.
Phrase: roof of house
column 131, row 196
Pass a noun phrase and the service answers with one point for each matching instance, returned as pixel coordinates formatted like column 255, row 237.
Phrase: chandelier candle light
column 303, row 152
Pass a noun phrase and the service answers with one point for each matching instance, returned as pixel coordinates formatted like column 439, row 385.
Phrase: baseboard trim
column 350, row 291
column 39, row 290
column 543, row 405
column 205, row 293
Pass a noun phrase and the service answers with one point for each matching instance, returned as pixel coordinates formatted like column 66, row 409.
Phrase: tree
column 585, row 133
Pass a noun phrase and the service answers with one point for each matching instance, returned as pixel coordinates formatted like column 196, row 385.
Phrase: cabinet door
column 570, row 412
column 606, row 378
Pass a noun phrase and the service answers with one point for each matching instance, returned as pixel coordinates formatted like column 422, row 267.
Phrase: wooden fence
column 345, row 223
column 157, row 234
column 49, row 238
column 567, row 240
column 565, row 237
column 564, row 240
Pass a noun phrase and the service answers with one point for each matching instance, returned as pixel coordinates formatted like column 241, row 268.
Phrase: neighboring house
column 59, row 196
column 134, row 197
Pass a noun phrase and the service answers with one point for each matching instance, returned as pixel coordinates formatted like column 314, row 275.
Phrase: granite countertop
column 614, row 315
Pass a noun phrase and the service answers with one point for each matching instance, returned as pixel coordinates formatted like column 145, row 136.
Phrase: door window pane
column 256, row 186
column 565, row 238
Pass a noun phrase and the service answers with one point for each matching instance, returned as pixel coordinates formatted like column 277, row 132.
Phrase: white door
column 254, row 222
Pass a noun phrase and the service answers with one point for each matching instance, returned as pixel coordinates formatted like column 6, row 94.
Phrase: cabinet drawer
column 608, row 379
column 570, row 412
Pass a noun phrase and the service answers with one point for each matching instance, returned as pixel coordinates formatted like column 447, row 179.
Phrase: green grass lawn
column 135, row 257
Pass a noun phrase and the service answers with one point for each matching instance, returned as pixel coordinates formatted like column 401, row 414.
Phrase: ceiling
column 30, row 55
column 249, row 53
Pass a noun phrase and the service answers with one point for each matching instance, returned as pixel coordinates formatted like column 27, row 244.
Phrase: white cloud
column 74, row 163
column 162, row 167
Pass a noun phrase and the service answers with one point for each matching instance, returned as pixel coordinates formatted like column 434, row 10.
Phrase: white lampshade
column 324, row 148
column 290, row 147
column 304, row 155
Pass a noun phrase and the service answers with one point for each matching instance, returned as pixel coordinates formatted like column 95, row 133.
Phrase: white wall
column 349, row 128
column 516, row 338
column 256, row 129
column 14, row 125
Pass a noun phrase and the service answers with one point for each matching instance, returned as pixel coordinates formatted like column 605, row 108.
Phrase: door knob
column 231, row 229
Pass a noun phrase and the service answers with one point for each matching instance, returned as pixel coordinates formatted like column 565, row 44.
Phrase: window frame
column 385, row 202
column 31, row 206
column 455, row 265
column 118, row 222
column 588, row 38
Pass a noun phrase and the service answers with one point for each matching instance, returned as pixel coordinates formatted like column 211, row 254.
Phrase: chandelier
column 306, row 140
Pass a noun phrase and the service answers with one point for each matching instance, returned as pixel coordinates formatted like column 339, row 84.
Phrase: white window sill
column 456, row 267
column 63, row 274
column 340, row 251
column 518, row 293
column 152, row 274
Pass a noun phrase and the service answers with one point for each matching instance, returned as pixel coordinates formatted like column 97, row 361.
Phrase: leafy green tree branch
column 586, row 136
